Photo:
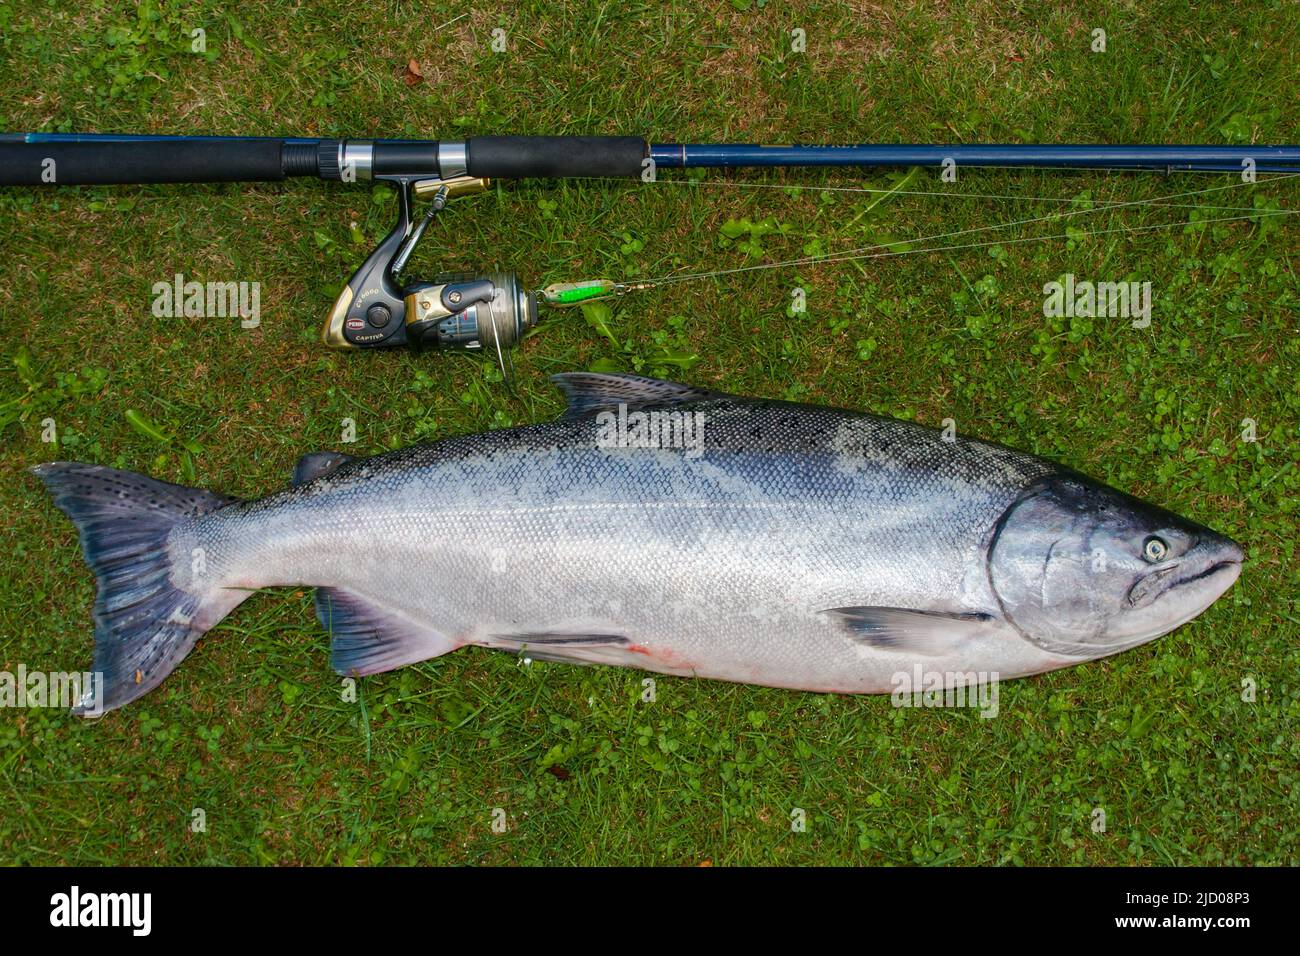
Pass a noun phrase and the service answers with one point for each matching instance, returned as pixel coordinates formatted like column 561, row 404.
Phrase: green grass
column 252, row 727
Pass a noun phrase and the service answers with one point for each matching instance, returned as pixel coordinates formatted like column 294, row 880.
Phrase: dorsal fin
column 317, row 463
column 590, row 392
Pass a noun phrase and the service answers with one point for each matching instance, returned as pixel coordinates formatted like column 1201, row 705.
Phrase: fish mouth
column 1211, row 570
column 1197, row 591
column 1209, row 583
column 1161, row 581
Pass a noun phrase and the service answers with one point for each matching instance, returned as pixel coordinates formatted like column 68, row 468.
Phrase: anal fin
column 906, row 630
column 368, row 639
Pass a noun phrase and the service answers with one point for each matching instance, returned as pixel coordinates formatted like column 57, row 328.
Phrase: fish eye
column 1154, row 549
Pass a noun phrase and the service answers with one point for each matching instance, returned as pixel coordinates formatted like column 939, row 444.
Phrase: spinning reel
column 379, row 308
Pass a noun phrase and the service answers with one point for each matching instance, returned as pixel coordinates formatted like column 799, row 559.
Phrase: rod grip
column 160, row 161
column 555, row 157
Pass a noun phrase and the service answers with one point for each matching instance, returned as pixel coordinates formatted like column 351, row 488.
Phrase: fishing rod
column 379, row 307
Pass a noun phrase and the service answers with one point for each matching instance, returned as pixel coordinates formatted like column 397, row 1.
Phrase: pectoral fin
column 906, row 630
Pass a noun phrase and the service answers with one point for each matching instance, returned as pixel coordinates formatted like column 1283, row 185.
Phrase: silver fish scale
column 719, row 564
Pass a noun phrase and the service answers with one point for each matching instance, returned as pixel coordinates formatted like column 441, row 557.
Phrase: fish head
column 1084, row 570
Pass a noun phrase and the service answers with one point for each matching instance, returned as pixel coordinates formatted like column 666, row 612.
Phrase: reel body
column 460, row 311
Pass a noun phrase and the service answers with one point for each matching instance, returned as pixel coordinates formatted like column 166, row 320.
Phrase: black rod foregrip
column 160, row 161
column 555, row 157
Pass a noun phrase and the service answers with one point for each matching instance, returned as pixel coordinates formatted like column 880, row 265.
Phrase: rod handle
column 555, row 157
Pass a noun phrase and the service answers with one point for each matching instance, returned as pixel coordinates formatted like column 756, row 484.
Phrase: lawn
column 1188, row 748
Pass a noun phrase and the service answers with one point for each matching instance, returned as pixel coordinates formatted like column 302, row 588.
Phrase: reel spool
column 468, row 311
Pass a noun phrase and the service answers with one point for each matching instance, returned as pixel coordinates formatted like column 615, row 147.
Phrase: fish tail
column 145, row 623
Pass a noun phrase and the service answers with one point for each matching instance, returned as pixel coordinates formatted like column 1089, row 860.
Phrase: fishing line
column 852, row 254
column 969, row 245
